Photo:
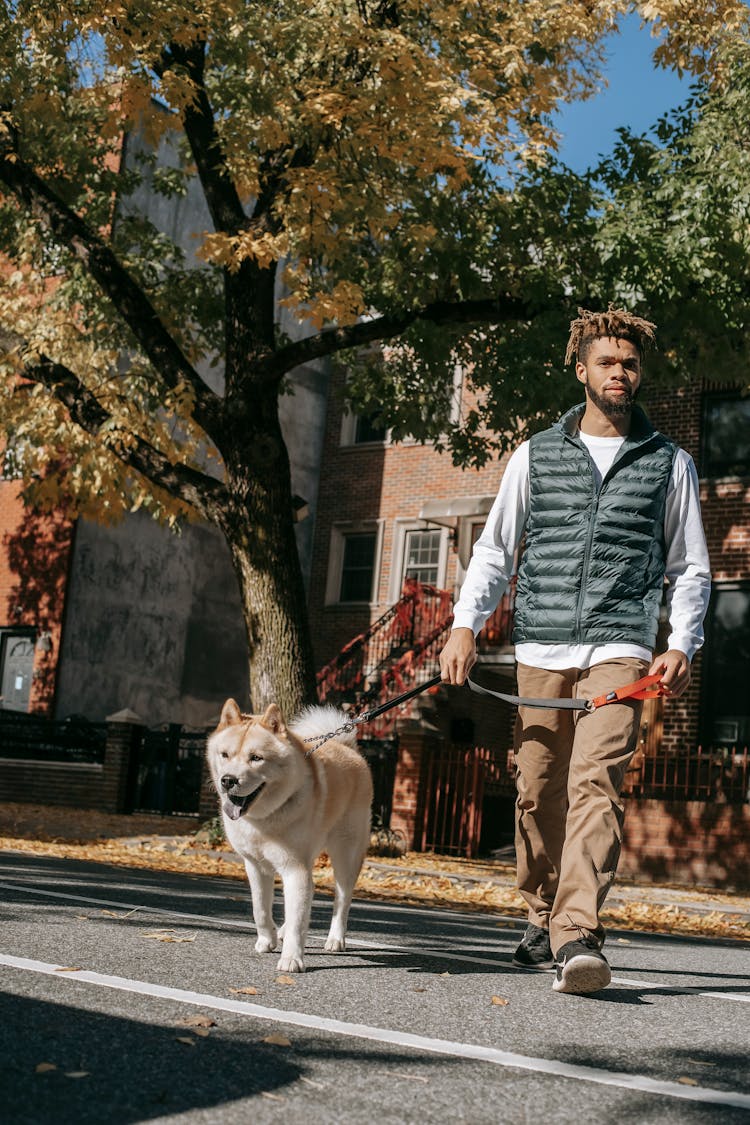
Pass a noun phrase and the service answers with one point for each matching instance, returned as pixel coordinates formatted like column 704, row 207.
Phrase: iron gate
column 165, row 771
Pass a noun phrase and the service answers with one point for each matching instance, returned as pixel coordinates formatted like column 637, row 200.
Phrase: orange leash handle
column 648, row 687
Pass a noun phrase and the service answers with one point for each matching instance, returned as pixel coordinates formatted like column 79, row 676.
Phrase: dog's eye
column 255, row 758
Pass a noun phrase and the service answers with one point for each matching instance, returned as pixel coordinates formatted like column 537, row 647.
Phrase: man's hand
column 676, row 668
column 458, row 657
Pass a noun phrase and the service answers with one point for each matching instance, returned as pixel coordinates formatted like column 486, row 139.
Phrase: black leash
column 516, row 700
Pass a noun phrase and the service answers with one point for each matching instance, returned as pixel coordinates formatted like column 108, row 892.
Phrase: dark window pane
column 726, row 435
column 727, row 666
column 422, row 556
column 369, row 428
column 357, row 568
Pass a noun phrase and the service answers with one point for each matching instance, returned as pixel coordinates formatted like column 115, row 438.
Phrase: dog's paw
column 291, row 964
column 335, row 945
column 266, row 943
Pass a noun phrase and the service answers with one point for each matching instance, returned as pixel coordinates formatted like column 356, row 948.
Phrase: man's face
column 611, row 374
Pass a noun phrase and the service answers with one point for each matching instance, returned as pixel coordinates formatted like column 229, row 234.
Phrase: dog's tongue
column 233, row 811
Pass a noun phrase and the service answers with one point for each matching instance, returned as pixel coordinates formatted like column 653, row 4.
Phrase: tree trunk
column 259, row 528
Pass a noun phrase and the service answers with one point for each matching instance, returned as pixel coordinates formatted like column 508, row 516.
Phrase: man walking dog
column 609, row 508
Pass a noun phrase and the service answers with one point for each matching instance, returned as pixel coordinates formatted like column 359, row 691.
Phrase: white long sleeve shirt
column 687, row 565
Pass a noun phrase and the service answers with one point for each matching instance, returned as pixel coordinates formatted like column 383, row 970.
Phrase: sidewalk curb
column 622, row 896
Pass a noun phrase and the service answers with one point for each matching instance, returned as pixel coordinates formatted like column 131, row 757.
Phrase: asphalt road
column 400, row 1028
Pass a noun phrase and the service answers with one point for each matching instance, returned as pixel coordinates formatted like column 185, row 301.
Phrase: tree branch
column 126, row 295
column 201, row 492
column 495, row 310
column 222, row 197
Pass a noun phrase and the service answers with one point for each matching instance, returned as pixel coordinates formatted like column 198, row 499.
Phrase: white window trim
column 339, row 532
column 400, row 529
column 349, row 432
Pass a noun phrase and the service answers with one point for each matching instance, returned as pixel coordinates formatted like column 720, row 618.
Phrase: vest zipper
column 595, row 494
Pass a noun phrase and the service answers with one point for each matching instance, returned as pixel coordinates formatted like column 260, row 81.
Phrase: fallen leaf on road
column 112, row 913
column 699, row 1062
column 500, row 1001
column 273, row 1097
column 82, row 917
column 202, row 1031
column 197, row 1021
column 687, row 1081
column 68, row 969
column 278, row 1040
column 284, row 979
column 247, row 991
column 419, row 989
column 623, row 940
column 315, row 1085
column 44, row 1068
column 77, row 1074
column 186, row 1040
column 168, row 935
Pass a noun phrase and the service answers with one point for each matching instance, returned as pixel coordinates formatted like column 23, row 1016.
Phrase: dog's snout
column 228, row 780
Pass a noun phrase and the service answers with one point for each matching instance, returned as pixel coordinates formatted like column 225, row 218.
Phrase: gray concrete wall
column 153, row 621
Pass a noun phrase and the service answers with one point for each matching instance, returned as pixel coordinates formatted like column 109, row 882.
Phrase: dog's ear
column 273, row 720
column 230, row 714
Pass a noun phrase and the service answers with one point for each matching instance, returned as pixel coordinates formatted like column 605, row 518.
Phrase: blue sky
column 637, row 95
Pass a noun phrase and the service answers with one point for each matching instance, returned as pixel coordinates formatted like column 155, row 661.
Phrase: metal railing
column 710, row 773
column 35, row 738
column 356, row 673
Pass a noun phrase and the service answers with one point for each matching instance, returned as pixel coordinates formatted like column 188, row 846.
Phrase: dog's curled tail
column 316, row 721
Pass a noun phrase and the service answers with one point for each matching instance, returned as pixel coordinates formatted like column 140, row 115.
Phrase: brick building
column 388, row 512
column 34, row 559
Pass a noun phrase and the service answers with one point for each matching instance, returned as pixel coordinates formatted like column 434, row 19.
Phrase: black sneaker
column 581, row 967
column 535, row 951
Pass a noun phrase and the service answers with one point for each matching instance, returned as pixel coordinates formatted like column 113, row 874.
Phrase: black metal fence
column 705, row 773
column 381, row 755
column 34, row 738
column 165, row 771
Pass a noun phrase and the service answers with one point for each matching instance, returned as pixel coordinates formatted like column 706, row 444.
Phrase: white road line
column 376, row 946
column 555, row 1067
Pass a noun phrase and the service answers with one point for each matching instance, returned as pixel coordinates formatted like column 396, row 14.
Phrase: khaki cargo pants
column 569, row 813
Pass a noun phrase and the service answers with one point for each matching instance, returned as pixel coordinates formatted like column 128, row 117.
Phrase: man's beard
column 613, row 408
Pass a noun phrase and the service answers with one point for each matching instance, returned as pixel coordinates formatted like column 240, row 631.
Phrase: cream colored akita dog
column 281, row 809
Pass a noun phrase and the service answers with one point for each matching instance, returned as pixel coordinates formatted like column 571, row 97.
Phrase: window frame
column 718, row 469
column 337, row 544
column 709, row 716
column 401, row 529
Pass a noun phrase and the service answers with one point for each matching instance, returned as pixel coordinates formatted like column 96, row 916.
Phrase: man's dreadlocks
column 619, row 323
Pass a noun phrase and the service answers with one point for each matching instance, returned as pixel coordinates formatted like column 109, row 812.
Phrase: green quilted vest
column 593, row 565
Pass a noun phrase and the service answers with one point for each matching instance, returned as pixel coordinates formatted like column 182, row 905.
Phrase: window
column 368, row 427
column 362, row 429
column 726, row 664
column 418, row 552
column 353, row 562
column 358, row 567
column 726, row 435
column 422, row 556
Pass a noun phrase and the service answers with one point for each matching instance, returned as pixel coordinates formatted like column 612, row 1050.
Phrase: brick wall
column 687, row 841
column 377, row 482
column 72, row 784
column 34, row 558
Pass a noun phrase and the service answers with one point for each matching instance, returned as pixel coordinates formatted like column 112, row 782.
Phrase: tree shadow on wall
column 38, row 553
